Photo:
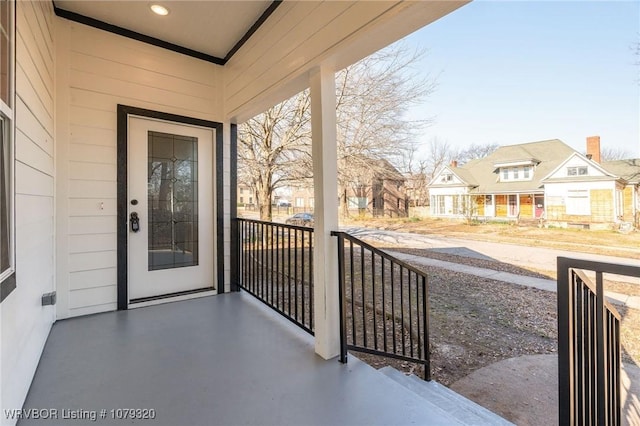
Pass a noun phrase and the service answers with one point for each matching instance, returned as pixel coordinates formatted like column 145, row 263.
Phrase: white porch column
column 325, row 183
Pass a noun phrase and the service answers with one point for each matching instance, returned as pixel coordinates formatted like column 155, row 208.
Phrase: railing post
column 341, row 297
column 565, row 346
column 234, row 248
column 602, row 360
column 425, row 324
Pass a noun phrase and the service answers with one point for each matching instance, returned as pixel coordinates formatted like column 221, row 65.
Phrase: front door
column 170, row 208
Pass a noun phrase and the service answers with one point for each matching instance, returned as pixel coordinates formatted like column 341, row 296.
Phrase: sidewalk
column 539, row 283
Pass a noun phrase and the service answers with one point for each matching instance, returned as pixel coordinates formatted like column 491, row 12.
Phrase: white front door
column 170, row 190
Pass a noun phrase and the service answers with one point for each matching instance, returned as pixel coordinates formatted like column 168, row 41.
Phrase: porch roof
column 282, row 41
column 223, row 359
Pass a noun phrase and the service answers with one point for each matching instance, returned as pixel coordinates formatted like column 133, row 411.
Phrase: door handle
column 134, row 220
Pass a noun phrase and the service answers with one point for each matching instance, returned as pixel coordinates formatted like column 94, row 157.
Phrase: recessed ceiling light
column 159, row 9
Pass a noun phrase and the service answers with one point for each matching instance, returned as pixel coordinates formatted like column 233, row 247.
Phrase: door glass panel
column 173, row 201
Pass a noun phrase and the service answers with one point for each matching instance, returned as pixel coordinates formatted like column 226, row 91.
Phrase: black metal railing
column 588, row 344
column 276, row 266
column 384, row 304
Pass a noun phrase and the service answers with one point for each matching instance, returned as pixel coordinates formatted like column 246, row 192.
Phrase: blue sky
column 522, row 71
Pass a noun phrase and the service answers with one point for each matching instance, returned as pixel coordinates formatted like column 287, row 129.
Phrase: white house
column 537, row 180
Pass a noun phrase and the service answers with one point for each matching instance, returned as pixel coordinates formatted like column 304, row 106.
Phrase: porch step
column 463, row 410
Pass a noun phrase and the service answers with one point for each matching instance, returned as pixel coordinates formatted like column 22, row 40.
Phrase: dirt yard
column 611, row 243
column 476, row 322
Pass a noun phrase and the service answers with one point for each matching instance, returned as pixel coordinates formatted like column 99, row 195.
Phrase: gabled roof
column 548, row 155
column 606, row 175
column 463, row 175
column 628, row 170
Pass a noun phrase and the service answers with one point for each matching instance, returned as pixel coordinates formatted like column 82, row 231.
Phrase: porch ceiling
column 214, row 28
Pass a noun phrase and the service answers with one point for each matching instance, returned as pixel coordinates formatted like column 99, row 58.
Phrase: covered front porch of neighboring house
column 498, row 206
column 510, row 206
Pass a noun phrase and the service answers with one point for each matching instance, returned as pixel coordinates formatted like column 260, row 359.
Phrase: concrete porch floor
column 218, row 360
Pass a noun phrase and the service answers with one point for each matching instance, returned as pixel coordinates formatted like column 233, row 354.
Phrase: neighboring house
column 246, row 195
column 416, row 189
column 540, row 180
column 302, row 198
column 379, row 190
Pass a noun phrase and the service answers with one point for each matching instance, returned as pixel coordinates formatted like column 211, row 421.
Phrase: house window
column 447, row 177
column 577, row 171
column 525, row 172
column 311, row 202
column 516, row 174
column 241, row 200
column 359, row 202
column 299, row 202
column 7, row 276
column 438, row 204
column 578, row 202
column 505, row 174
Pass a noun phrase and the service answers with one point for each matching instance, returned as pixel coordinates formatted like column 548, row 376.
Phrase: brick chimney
column 454, row 163
column 593, row 148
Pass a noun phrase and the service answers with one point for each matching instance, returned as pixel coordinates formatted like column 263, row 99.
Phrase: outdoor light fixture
column 159, row 9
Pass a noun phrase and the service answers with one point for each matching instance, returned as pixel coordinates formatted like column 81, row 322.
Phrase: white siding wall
column 561, row 189
column 25, row 323
column 576, row 161
column 96, row 71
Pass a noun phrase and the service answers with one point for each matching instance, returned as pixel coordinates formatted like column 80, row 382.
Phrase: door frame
column 123, row 113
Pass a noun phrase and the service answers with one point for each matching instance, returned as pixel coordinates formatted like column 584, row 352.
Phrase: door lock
column 134, row 220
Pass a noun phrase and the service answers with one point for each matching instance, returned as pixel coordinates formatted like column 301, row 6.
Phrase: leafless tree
column 273, row 149
column 438, row 154
column 372, row 99
column 474, row 152
column 611, row 154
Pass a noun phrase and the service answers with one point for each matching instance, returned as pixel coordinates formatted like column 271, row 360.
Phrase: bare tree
column 273, row 149
column 474, row 152
column 612, row 154
column 438, row 154
column 372, row 98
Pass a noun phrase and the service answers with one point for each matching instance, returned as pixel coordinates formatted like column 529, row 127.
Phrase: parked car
column 300, row 219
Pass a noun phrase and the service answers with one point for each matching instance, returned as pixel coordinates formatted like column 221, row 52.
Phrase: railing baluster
column 410, row 314
column 402, row 309
column 425, row 328
column 289, row 273
column 353, row 299
column 373, row 300
column 295, row 274
column 384, row 306
column 364, row 299
column 393, row 311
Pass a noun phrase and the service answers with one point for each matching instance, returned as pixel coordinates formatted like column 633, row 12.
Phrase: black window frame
column 7, row 154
